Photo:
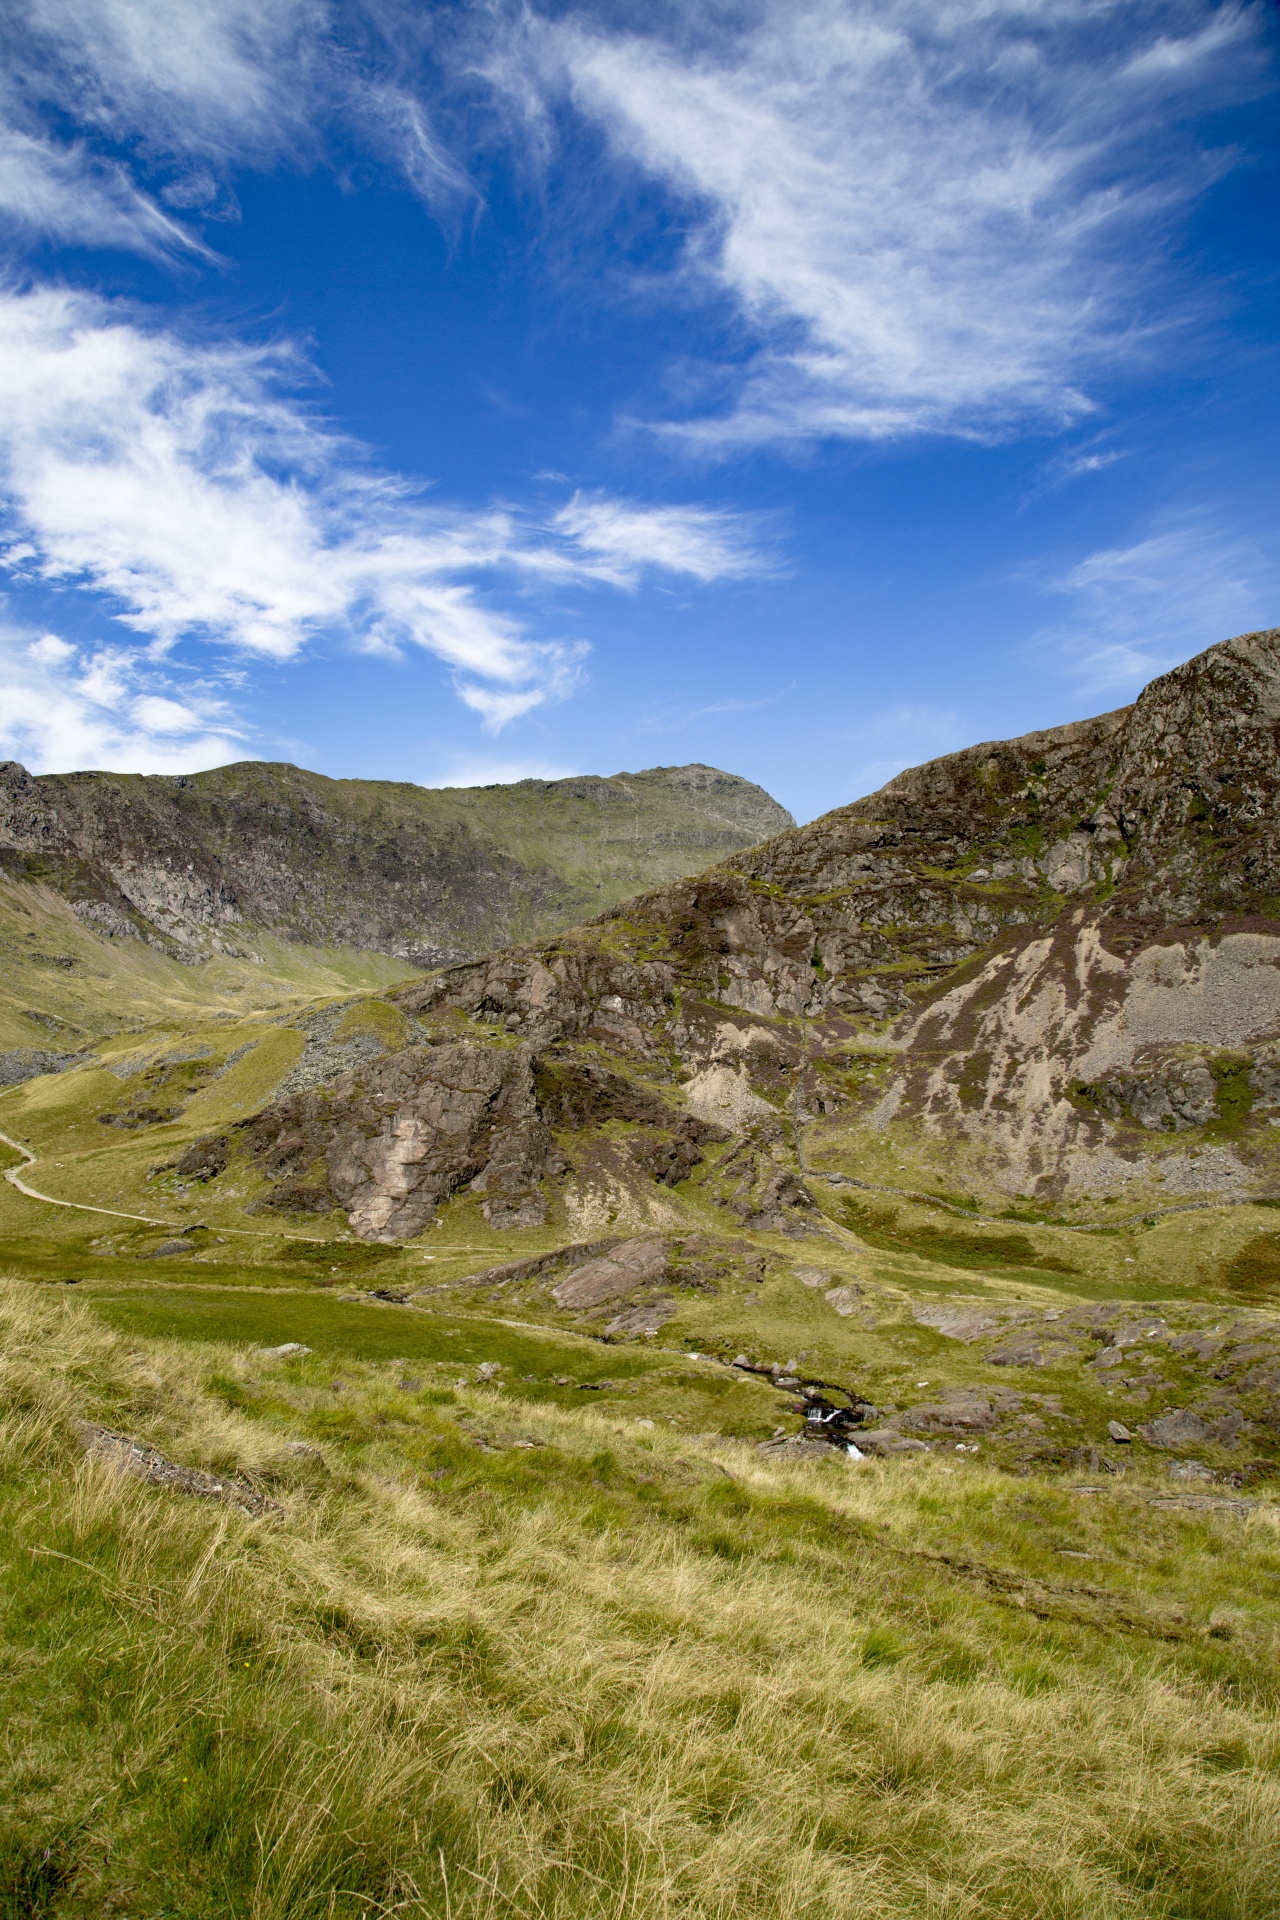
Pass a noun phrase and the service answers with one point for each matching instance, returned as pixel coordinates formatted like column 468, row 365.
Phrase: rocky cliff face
column 1047, row 966
column 390, row 1142
column 198, row 863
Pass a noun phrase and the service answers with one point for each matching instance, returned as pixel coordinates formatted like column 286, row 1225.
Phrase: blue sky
column 454, row 393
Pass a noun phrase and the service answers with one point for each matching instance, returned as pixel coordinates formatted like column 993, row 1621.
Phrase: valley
column 766, row 1399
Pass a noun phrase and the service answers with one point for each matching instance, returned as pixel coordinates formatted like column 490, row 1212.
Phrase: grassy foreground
column 488, row 1655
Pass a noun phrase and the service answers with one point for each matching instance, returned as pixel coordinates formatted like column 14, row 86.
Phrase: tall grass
column 607, row 1675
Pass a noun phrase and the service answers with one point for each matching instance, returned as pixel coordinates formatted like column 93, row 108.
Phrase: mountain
column 771, row 1346
column 204, row 862
column 1046, row 967
column 1041, row 972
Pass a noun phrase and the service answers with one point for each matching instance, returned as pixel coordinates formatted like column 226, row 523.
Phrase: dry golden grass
column 611, row 1674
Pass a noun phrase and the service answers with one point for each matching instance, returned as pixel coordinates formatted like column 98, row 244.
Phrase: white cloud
column 63, row 707
column 917, row 208
column 222, row 78
column 182, row 483
column 64, row 193
column 164, row 88
column 927, row 217
column 1140, row 609
column 498, row 709
column 187, row 93
column 624, row 539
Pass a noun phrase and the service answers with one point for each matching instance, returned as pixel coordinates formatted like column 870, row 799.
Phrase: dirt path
column 14, row 1176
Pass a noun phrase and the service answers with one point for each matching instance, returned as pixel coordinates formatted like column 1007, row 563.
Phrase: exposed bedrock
column 196, row 863
column 1053, row 1039
column 390, row 1141
column 1053, row 949
column 1069, row 931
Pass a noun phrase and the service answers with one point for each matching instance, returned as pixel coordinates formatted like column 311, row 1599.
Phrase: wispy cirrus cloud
column 223, row 78
column 1136, row 610
column 186, row 485
column 168, row 102
column 925, row 216
column 154, row 95
column 624, row 540
column 65, row 193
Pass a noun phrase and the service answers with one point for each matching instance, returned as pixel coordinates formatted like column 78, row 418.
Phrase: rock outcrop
column 388, row 1144
column 392, row 1140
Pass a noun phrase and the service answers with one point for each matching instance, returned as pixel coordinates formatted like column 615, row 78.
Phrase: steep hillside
column 1045, row 966
column 64, row 985
column 909, row 1055
column 206, row 863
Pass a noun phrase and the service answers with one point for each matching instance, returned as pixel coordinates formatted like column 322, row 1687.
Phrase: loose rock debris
column 145, row 1463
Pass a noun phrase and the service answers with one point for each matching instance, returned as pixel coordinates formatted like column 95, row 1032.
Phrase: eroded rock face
column 204, row 1159
column 194, row 863
column 469, row 1116
column 1073, row 928
column 1056, row 1034
column 410, row 1129
column 1182, row 1096
column 391, row 1140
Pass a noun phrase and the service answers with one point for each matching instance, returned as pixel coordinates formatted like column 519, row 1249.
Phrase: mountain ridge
column 824, row 1118
column 1042, row 969
column 194, row 863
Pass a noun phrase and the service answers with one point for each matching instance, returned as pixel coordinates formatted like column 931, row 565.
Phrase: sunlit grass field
column 492, row 1652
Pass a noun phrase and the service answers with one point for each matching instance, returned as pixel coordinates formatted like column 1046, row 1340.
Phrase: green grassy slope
column 482, row 1653
column 534, row 1622
column 605, row 838
column 173, row 1053
column 62, row 986
column 843, row 1302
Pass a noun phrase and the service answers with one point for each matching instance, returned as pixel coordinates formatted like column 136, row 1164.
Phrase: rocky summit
column 1046, row 967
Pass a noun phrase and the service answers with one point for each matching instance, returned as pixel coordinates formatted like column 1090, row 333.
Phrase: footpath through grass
column 487, row 1657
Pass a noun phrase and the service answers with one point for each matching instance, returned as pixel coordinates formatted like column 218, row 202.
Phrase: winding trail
column 14, row 1176
column 932, row 1200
